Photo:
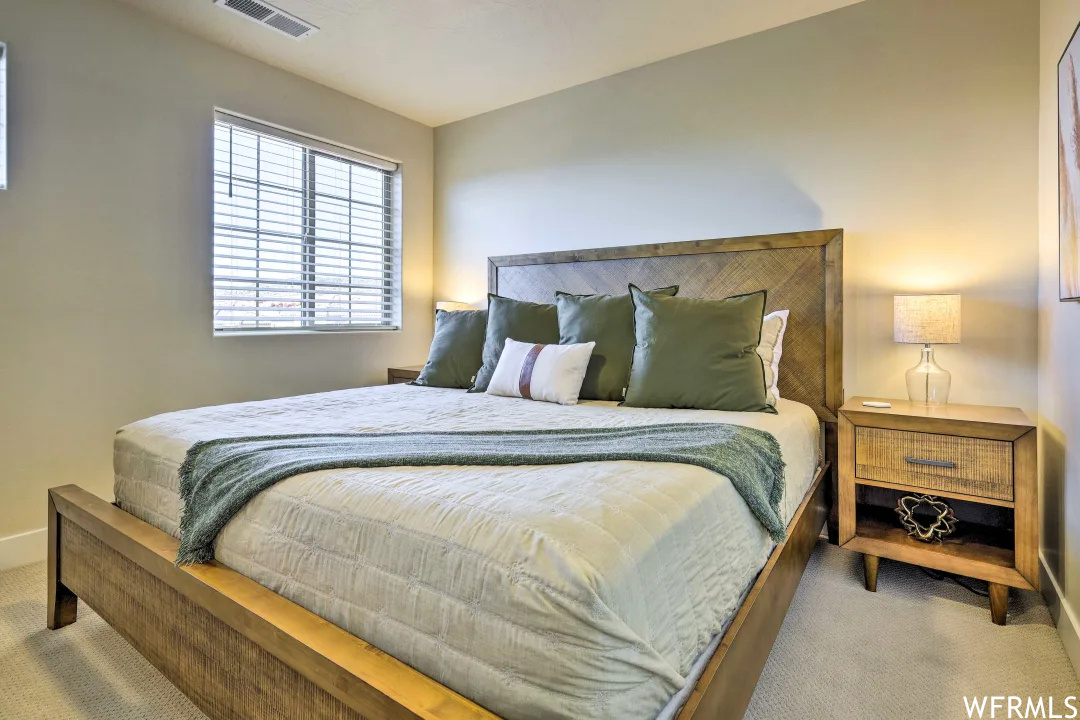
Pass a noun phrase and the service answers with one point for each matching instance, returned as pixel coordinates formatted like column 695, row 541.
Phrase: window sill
column 304, row 331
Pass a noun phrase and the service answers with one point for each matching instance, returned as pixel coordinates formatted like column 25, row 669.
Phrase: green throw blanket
column 219, row 477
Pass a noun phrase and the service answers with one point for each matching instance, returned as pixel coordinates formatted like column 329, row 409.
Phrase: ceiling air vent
column 266, row 14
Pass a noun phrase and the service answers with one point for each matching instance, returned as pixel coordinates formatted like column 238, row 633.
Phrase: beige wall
column 912, row 124
column 105, row 240
column 1059, row 350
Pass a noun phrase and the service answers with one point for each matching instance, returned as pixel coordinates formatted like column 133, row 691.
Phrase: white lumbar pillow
column 551, row 373
column 773, row 327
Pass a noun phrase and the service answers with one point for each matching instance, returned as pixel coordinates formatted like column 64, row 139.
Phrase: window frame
column 313, row 148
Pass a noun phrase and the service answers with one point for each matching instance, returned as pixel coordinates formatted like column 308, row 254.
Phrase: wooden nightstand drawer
column 397, row 375
column 971, row 466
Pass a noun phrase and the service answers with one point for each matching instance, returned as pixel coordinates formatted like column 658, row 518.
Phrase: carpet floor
column 913, row 649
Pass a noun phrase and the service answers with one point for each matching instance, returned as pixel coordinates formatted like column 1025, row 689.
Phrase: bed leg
column 63, row 604
column 832, row 492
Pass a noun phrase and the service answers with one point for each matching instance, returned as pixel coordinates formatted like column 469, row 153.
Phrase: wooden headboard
column 802, row 272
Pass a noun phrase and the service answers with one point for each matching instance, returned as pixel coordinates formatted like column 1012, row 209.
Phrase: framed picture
column 1069, row 171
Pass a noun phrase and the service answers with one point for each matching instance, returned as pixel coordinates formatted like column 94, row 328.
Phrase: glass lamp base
column 928, row 382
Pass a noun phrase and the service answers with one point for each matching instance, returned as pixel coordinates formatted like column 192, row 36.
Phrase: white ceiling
column 442, row 60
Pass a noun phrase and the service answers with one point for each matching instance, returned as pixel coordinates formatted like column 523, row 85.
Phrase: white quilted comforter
column 571, row 591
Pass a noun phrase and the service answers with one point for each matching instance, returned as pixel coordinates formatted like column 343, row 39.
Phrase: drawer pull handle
column 935, row 463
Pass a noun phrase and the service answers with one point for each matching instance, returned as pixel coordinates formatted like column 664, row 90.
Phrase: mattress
column 568, row 591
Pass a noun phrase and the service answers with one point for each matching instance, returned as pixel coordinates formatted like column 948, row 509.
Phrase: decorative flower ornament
column 943, row 520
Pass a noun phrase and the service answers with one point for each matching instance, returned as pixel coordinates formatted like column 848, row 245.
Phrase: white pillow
column 552, row 373
column 770, row 349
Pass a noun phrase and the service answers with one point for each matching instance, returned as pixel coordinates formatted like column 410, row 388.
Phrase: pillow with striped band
column 550, row 373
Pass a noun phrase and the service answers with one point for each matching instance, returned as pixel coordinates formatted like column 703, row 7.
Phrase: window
column 3, row 116
column 304, row 233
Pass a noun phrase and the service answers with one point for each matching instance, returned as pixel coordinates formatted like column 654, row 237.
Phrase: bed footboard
column 62, row 603
column 237, row 649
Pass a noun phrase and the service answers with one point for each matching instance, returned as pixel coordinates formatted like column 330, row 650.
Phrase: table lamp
column 928, row 320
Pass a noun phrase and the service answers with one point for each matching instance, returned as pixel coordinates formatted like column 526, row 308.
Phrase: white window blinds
column 304, row 233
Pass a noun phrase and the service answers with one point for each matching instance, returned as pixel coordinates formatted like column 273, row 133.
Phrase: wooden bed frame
column 240, row 651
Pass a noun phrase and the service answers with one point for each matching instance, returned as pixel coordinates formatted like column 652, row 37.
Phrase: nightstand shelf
column 974, row 543
column 980, row 460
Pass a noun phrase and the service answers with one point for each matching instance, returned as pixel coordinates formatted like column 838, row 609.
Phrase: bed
column 273, row 627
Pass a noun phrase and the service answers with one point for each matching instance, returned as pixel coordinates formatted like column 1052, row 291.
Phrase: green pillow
column 607, row 320
column 523, row 321
column 695, row 353
column 456, row 350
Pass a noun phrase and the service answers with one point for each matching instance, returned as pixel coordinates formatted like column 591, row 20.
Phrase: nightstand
column 980, row 460
column 403, row 374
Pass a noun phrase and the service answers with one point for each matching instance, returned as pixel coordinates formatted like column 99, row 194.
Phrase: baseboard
column 22, row 549
column 1062, row 611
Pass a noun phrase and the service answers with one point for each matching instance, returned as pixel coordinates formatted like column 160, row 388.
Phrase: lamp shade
column 926, row 319
column 451, row 305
